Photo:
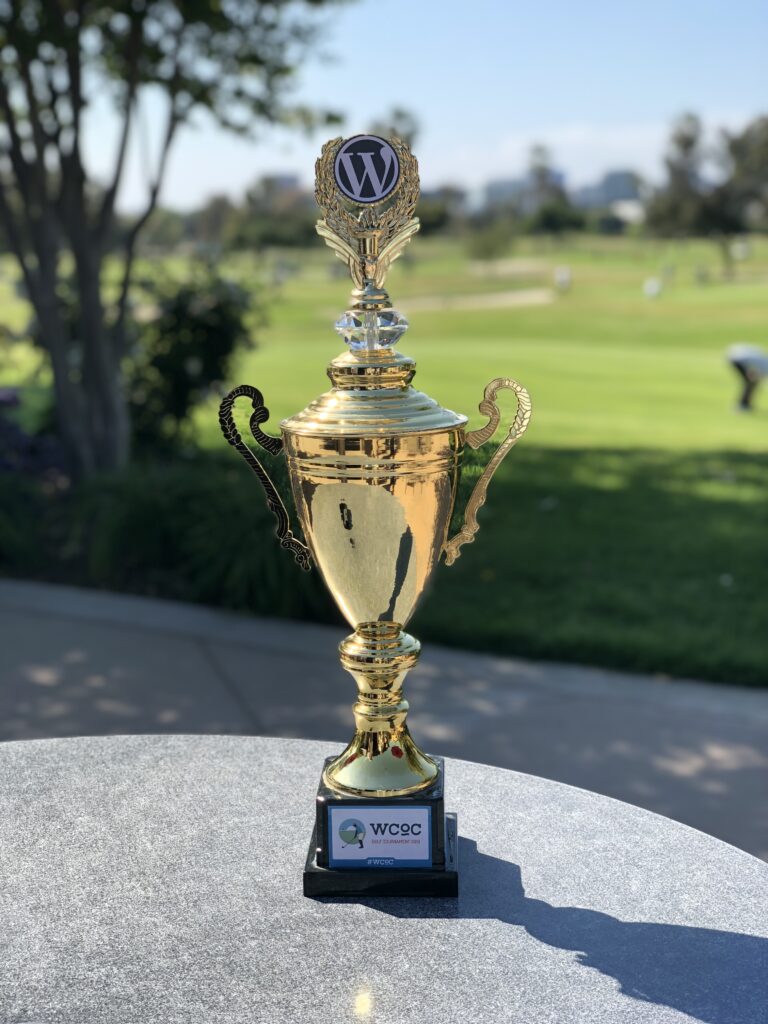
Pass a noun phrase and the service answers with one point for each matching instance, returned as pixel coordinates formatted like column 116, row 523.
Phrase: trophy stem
column 382, row 759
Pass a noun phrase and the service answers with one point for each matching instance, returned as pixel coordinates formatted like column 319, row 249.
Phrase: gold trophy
column 374, row 467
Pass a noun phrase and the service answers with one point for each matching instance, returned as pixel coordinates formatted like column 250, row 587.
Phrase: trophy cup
column 374, row 467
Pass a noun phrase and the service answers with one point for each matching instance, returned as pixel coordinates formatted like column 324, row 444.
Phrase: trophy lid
column 372, row 398
column 367, row 188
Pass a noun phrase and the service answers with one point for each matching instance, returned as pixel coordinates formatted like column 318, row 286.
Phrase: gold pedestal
column 382, row 760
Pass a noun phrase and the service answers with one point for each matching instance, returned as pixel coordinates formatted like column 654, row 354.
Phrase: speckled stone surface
column 158, row 879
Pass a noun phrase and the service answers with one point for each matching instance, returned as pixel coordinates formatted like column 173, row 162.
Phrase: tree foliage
column 399, row 122
column 275, row 213
column 545, row 186
column 556, row 217
column 746, row 160
column 233, row 58
column 185, row 351
column 731, row 199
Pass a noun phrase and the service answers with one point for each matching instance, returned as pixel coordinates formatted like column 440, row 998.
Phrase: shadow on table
column 714, row 976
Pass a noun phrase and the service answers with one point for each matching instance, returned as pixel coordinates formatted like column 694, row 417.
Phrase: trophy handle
column 474, row 439
column 273, row 445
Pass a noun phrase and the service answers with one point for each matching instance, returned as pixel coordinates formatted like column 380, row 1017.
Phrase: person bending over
column 751, row 364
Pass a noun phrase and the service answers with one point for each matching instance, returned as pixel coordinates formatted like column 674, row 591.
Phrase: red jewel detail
column 397, row 752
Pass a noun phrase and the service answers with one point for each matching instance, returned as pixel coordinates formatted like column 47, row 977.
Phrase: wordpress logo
column 352, row 832
column 366, row 168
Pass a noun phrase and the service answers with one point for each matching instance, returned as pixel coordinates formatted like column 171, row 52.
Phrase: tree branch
column 38, row 134
column 71, row 48
column 32, row 206
column 133, row 234
column 21, row 167
column 54, row 93
column 14, row 237
column 108, row 202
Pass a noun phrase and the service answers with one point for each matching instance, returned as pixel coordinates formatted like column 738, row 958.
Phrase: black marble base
column 438, row 878
column 444, row 881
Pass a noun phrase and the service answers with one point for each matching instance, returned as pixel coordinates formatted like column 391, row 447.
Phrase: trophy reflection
column 374, row 466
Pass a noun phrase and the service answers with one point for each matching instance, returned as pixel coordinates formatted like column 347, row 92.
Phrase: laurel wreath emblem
column 371, row 240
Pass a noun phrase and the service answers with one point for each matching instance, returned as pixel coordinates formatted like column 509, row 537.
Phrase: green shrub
column 184, row 352
column 197, row 531
column 192, row 530
column 21, row 507
column 490, row 241
column 583, row 555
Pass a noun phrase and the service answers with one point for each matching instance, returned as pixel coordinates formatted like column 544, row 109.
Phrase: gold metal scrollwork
column 476, row 438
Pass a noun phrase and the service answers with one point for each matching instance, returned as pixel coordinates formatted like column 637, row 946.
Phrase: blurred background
column 594, row 223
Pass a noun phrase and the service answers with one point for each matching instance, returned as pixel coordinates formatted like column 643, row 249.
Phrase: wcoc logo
column 352, row 832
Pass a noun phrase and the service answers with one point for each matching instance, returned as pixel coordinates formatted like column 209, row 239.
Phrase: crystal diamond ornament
column 371, row 329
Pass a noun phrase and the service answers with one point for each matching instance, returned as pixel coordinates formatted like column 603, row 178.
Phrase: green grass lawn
column 629, row 526
column 605, row 366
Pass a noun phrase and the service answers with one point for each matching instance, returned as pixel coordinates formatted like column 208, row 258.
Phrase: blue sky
column 598, row 82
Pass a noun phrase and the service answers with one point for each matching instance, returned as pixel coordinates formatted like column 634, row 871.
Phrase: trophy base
column 386, row 882
column 383, row 846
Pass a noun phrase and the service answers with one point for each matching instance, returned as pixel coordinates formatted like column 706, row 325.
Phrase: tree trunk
column 55, row 338
column 103, row 392
column 70, row 412
column 91, row 407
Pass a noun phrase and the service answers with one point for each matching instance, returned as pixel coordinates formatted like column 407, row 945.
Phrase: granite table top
column 158, row 879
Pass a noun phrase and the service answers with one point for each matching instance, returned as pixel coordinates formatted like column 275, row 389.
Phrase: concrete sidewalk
column 75, row 662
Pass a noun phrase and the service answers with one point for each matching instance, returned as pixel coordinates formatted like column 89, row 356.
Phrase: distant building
column 556, row 178
column 281, row 192
column 281, row 183
column 614, row 187
column 504, row 193
column 522, row 193
column 454, row 198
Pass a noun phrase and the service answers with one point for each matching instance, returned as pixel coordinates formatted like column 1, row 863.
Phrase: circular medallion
column 352, row 832
column 366, row 169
